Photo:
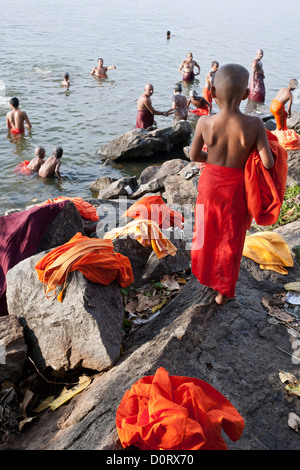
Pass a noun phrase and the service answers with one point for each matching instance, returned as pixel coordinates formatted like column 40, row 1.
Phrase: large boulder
column 84, row 330
column 13, row 349
column 141, row 143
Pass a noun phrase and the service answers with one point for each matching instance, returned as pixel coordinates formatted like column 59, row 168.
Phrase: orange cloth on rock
column 93, row 257
column 288, row 139
column 280, row 114
column 85, row 209
column 264, row 188
column 163, row 412
column 147, row 233
column 155, row 209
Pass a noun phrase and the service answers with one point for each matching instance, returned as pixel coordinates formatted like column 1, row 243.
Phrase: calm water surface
column 39, row 41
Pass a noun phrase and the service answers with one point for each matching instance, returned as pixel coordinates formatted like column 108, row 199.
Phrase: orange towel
column 163, row 412
column 264, row 188
column 93, row 257
column 85, row 209
column 155, row 209
column 288, row 139
column 147, row 233
column 280, row 114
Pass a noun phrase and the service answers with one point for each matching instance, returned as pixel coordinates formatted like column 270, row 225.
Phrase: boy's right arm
column 263, row 147
column 196, row 153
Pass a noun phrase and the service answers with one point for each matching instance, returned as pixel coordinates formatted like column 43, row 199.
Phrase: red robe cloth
column 22, row 168
column 163, row 412
column 144, row 119
column 155, row 209
column 279, row 113
column 20, row 235
column 228, row 199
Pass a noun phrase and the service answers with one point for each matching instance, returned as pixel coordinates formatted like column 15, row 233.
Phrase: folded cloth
column 264, row 188
column 288, row 139
column 22, row 168
column 280, row 114
column 93, row 257
column 221, row 222
column 20, row 235
column 154, row 208
column 147, row 233
column 85, row 209
column 207, row 94
column 163, row 412
column 16, row 131
column 144, row 119
column 269, row 250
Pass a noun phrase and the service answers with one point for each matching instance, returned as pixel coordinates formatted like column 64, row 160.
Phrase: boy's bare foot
column 222, row 299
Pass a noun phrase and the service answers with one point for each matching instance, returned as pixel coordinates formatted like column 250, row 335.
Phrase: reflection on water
column 96, row 110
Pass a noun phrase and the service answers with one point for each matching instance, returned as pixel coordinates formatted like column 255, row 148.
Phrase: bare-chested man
column 100, row 70
column 256, row 85
column 188, row 68
column 179, row 105
column 209, row 81
column 16, row 118
column 145, row 110
column 52, row 164
column 277, row 107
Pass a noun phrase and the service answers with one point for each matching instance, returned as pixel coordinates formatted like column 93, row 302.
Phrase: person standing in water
column 16, row 118
column 187, row 68
column 100, row 70
column 256, row 85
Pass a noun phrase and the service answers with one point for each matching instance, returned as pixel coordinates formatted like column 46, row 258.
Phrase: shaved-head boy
column 230, row 136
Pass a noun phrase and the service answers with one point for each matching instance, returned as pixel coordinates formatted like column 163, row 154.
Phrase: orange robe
column 227, row 201
column 85, row 209
column 164, row 412
column 288, row 139
column 207, row 95
column 155, row 209
column 280, row 114
column 93, row 257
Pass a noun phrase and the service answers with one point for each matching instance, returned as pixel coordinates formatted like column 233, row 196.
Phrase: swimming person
column 39, row 159
column 100, row 70
column 16, row 118
column 66, row 81
column 52, row 164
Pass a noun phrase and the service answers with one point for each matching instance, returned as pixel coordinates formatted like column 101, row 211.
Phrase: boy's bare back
column 230, row 135
column 48, row 168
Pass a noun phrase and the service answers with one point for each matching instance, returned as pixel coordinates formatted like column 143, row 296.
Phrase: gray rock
column 121, row 187
column 67, row 223
column 141, row 143
column 294, row 121
column 101, row 183
column 83, row 330
column 294, row 165
column 13, row 350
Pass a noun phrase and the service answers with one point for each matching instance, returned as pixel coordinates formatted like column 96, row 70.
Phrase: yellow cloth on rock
column 147, row 233
column 269, row 250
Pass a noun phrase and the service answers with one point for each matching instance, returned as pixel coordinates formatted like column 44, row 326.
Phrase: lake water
column 39, row 41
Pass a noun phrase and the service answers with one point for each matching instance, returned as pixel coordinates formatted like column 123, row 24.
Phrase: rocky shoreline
column 166, row 319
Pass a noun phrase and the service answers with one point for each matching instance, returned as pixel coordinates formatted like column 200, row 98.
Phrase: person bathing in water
column 38, row 160
column 100, row 70
column 16, row 119
column 52, row 164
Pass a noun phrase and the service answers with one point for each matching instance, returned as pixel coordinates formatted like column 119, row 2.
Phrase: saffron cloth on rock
column 164, row 412
column 93, row 257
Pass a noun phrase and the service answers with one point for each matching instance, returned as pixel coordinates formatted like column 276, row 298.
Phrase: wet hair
column 215, row 63
column 14, row 102
column 66, row 76
column 178, row 87
column 40, row 151
column 100, row 59
column 293, row 83
column 57, row 152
